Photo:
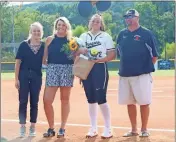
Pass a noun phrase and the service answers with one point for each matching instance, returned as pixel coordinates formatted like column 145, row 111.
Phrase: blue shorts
column 96, row 84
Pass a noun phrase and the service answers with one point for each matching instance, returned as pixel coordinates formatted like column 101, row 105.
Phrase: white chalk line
column 85, row 125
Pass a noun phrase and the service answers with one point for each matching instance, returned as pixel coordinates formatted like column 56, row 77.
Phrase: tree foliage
column 157, row 16
column 170, row 51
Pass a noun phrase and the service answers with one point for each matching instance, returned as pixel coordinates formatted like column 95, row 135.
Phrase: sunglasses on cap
column 129, row 16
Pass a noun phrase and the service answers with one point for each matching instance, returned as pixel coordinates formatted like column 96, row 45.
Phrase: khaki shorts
column 137, row 89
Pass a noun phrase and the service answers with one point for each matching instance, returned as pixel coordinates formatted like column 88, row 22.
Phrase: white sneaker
column 92, row 133
column 22, row 131
column 32, row 132
column 107, row 133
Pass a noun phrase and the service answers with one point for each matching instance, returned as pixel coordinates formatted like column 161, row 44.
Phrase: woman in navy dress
column 58, row 75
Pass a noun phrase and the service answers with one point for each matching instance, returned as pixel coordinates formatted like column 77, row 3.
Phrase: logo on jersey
column 124, row 36
column 93, row 44
column 137, row 37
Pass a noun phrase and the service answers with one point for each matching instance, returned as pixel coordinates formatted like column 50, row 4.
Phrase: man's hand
column 154, row 59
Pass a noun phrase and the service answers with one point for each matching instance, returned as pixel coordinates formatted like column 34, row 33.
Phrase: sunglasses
column 129, row 17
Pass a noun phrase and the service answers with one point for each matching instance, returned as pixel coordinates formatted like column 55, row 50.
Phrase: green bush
column 7, row 56
column 170, row 51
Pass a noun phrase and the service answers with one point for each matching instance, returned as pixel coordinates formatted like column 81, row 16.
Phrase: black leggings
column 30, row 84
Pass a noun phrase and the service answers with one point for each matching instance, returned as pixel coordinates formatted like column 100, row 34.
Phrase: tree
column 168, row 24
column 48, row 9
column 170, row 51
column 23, row 20
column 150, row 19
column 6, row 22
column 158, row 17
column 79, row 30
column 47, row 21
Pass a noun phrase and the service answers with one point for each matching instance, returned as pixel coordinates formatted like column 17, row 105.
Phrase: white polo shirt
column 102, row 41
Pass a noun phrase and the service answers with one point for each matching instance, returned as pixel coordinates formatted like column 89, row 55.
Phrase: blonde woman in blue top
column 28, row 76
column 58, row 75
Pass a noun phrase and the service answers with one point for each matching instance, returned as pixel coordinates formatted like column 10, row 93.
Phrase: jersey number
column 100, row 54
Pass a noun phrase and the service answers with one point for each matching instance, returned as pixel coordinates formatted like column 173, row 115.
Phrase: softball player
column 96, row 84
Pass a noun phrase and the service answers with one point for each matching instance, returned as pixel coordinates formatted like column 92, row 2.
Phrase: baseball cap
column 131, row 13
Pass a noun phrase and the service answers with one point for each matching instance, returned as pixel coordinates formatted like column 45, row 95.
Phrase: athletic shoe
column 92, row 133
column 107, row 133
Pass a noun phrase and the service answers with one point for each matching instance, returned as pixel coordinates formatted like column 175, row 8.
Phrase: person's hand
column 44, row 66
column 80, row 82
column 44, row 62
column 82, row 51
column 17, row 84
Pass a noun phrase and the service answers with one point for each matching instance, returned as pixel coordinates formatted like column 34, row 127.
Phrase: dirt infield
column 161, row 121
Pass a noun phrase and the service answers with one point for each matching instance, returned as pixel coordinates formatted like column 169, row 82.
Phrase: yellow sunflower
column 73, row 45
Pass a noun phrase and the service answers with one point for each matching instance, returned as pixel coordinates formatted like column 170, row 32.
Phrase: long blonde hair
column 68, row 30
column 102, row 28
column 37, row 24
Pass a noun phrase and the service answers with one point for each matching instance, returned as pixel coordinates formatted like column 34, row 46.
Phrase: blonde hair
column 37, row 24
column 102, row 28
column 68, row 25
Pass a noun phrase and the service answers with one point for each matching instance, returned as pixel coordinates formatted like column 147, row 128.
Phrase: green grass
column 11, row 75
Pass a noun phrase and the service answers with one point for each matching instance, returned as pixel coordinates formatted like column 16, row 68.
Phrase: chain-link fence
column 8, row 51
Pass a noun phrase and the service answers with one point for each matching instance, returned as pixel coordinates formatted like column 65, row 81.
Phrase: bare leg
column 145, row 109
column 132, row 112
column 65, row 105
column 48, row 99
column 33, row 125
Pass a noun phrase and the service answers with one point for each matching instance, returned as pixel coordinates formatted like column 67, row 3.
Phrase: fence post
column 156, row 65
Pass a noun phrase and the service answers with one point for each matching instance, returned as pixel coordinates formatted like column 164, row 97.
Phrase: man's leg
column 142, row 89
column 132, row 113
column 145, row 109
column 126, row 97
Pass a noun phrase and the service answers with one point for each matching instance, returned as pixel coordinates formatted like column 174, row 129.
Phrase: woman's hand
column 81, row 51
column 17, row 84
column 44, row 66
column 44, row 62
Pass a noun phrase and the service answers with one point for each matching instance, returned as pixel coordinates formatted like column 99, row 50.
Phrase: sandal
column 144, row 134
column 49, row 133
column 61, row 133
column 130, row 134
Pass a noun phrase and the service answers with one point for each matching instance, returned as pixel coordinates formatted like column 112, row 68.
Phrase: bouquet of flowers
column 72, row 47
